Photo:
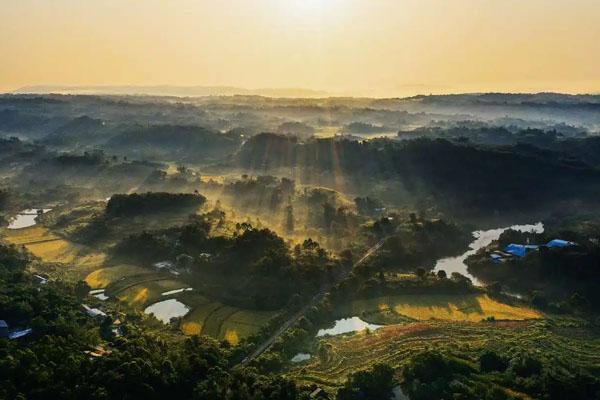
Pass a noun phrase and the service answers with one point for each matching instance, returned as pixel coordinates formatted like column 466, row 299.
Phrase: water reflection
column 26, row 218
column 167, row 309
column 482, row 239
column 347, row 325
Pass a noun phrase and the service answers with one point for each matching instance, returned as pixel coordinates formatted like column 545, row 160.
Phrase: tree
column 374, row 384
column 442, row 274
column 490, row 361
column 495, row 288
column 289, row 219
column 81, row 289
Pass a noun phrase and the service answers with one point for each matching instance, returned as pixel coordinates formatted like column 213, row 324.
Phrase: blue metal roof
column 559, row 243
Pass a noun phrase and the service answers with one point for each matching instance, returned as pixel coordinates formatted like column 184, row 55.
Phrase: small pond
column 300, row 357
column 26, row 218
column 347, row 325
column 167, row 309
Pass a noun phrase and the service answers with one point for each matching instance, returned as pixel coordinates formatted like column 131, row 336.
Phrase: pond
column 347, row 325
column 300, row 357
column 482, row 239
column 167, row 309
column 26, row 218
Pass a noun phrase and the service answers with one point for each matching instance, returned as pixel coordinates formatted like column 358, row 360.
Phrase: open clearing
column 472, row 308
column 395, row 344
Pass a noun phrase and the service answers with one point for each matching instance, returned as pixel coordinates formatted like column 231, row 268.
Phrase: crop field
column 219, row 320
column 553, row 341
column 471, row 308
column 52, row 248
column 145, row 293
column 139, row 287
column 103, row 277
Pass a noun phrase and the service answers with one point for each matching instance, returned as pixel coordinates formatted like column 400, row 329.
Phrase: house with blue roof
column 559, row 243
column 520, row 250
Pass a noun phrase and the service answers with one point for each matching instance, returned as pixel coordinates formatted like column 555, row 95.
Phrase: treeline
column 173, row 142
column 495, row 375
column 124, row 205
column 460, row 176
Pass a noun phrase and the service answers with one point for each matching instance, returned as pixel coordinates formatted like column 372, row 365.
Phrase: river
column 482, row 239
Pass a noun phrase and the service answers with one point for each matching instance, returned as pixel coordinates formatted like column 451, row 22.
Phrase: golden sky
column 358, row 47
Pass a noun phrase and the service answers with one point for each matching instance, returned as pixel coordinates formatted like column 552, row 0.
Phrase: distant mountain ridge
column 169, row 90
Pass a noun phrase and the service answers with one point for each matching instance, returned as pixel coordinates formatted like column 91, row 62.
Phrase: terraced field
column 552, row 340
column 52, row 248
column 471, row 308
column 140, row 287
column 103, row 277
column 219, row 320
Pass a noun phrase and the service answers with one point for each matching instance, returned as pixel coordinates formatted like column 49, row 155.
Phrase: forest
column 249, row 247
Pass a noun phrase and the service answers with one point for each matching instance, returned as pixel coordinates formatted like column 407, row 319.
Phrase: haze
column 352, row 47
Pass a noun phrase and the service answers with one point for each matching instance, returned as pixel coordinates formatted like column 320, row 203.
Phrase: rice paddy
column 103, row 277
column 140, row 287
column 469, row 308
column 145, row 293
column 51, row 248
column 395, row 344
column 221, row 321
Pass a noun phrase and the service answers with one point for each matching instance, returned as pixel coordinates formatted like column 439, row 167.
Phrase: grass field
column 554, row 342
column 471, row 308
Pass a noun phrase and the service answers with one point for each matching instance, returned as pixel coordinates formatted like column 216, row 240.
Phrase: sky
column 346, row 47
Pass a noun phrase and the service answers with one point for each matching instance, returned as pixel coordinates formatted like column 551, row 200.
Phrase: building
column 559, row 243
column 93, row 312
column 19, row 333
column 520, row 250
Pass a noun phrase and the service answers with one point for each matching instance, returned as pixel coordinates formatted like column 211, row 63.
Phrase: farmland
column 466, row 307
column 137, row 287
column 553, row 340
column 51, row 248
column 219, row 320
